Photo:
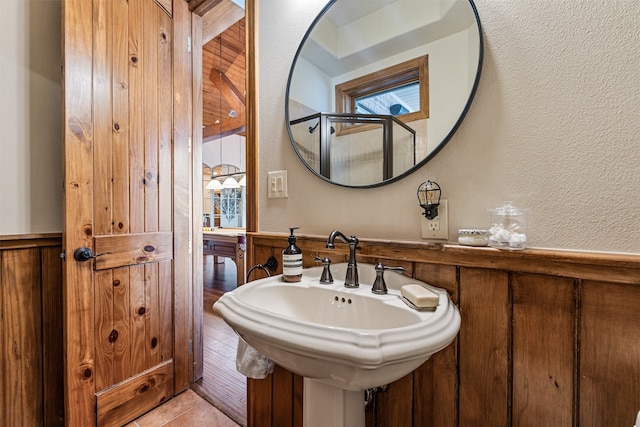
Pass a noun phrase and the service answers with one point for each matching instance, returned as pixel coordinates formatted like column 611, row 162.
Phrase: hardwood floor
column 222, row 385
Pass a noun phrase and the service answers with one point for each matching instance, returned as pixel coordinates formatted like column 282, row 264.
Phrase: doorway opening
column 222, row 385
column 224, row 198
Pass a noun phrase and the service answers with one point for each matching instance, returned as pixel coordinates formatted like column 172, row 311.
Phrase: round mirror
column 378, row 87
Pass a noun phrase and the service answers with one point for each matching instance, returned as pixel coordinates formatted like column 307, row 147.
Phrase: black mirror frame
column 429, row 156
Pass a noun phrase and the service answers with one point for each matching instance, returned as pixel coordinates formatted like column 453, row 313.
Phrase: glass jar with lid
column 509, row 228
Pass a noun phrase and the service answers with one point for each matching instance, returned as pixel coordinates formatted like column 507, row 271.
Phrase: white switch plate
column 277, row 184
column 437, row 228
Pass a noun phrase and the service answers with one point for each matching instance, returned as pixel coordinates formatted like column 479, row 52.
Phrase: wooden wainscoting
column 548, row 338
column 31, row 323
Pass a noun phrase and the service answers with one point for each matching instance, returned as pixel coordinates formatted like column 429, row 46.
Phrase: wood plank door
column 124, row 293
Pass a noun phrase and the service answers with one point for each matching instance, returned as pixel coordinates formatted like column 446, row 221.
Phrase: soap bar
column 419, row 295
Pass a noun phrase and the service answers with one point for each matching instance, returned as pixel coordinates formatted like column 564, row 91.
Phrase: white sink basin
column 350, row 339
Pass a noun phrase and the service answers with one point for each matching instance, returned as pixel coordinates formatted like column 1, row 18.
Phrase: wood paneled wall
column 548, row 338
column 31, row 360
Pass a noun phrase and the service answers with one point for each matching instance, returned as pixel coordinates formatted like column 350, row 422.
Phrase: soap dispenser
column 292, row 260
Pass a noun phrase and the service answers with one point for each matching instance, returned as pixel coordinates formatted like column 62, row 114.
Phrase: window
column 401, row 90
column 223, row 207
column 395, row 101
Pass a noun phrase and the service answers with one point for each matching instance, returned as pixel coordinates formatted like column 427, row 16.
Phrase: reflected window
column 401, row 90
column 395, row 101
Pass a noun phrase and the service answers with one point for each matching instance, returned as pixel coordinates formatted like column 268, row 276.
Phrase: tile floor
column 185, row 409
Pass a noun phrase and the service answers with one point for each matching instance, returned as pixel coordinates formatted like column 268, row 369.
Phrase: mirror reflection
column 378, row 87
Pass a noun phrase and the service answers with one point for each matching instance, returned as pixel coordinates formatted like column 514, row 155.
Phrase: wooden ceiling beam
column 209, row 132
column 225, row 15
column 223, row 63
column 229, row 91
column 202, row 7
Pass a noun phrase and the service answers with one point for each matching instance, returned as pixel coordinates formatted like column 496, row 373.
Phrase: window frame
column 414, row 70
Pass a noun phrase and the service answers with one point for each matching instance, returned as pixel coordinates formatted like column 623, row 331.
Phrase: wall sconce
column 429, row 198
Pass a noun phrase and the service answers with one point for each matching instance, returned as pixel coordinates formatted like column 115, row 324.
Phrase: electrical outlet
column 437, row 228
column 433, row 224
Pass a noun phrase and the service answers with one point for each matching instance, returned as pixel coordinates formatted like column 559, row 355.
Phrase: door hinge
column 190, row 345
column 188, row 43
column 189, row 144
column 63, row 255
column 190, row 246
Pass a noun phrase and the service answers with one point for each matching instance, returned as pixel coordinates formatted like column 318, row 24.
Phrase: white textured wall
column 30, row 122
column 555, row 128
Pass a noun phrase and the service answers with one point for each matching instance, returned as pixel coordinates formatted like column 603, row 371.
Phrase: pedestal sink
column 342, row 341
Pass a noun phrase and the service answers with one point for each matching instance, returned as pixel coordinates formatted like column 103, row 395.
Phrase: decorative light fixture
column 429, row 198
column 228, row 179
column 243, row 181
column 214, row 184
column 230, row 183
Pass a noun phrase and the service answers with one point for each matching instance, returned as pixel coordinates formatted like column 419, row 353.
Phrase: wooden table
column 228, row 243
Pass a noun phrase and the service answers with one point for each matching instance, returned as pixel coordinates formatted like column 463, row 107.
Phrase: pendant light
column 220, row 103
column 230, row 183
column 214, row 185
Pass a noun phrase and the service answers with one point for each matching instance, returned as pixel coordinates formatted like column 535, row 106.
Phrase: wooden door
column 127, row 310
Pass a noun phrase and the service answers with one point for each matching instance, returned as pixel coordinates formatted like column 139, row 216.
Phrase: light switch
column 277, row 184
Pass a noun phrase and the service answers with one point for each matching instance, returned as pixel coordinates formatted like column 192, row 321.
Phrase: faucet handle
column 381, row 267
column 379, row 286
column 326, row 278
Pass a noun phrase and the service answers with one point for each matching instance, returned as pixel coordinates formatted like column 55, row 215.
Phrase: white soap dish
column 415, row 307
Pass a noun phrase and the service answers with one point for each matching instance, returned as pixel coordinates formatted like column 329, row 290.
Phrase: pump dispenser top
column 292, row 260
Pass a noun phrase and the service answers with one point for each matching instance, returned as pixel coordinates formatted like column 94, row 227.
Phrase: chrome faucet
column 351, row 279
